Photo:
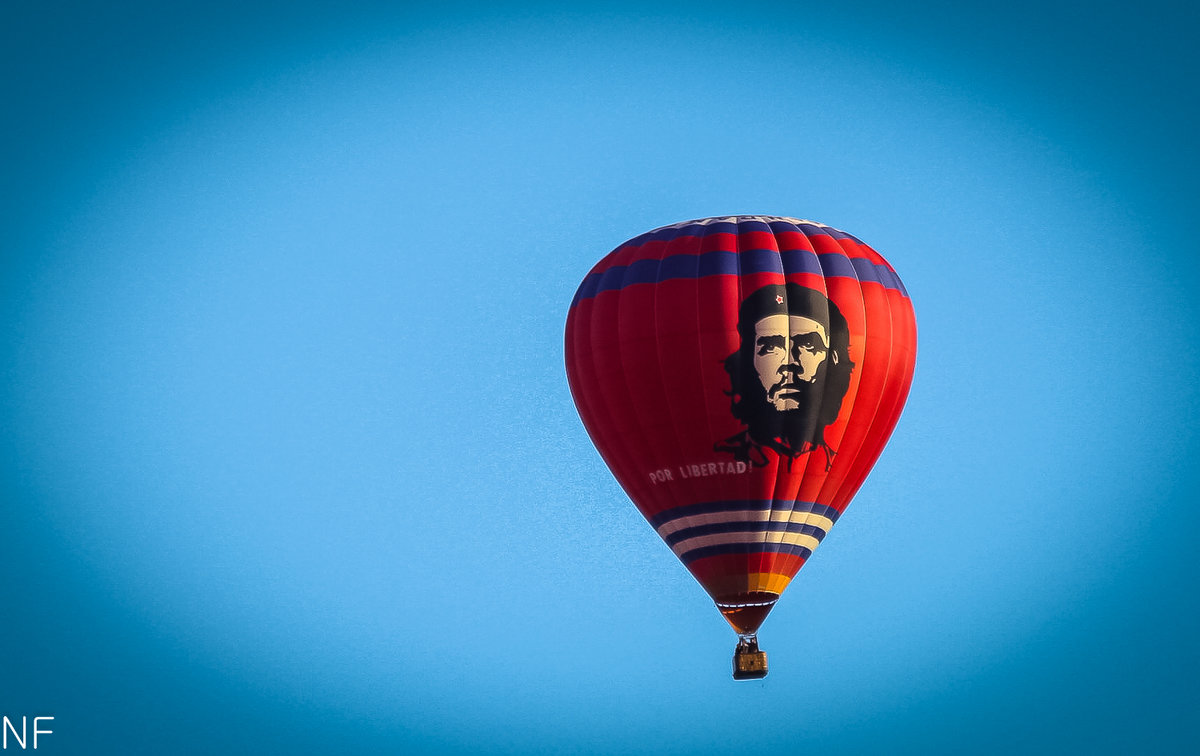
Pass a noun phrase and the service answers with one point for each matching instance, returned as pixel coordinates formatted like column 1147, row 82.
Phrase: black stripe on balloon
column 742, row 505
column 726, row 549
column 744, row 527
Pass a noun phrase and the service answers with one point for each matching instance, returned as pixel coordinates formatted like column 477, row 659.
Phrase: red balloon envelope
column 740, row 376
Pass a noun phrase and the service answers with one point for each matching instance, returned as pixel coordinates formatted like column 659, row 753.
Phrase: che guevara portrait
column 789, row 374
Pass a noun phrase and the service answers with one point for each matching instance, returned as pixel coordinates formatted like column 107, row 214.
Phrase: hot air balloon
column 740, row 376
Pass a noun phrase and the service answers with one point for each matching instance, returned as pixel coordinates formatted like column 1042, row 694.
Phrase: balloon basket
column 748, row 662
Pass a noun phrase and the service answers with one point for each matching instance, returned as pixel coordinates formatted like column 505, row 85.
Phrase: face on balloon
column 788, row 352
column 789, row 375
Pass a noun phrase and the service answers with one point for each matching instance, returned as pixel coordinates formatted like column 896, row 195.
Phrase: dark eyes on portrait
column 769, row 343
column 810, row 342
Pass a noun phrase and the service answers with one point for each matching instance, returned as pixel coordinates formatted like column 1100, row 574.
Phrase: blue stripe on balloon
column 611, row 279
column 800, row 261
column 742, row 505
column 680, row 266
column 716, row 264
column 840, row 266
column 721, row 263
column 761, row 261
column 753, row 226
column 688, row 557
column 744, row 527
column 642, row 271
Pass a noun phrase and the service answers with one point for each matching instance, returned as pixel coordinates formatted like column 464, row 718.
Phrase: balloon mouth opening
column 745, row 612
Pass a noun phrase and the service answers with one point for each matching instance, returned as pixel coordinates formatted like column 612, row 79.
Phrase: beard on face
column 794, row 428
column 788, row 389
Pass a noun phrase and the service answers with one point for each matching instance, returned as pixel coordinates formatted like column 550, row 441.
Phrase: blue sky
column 290, row 462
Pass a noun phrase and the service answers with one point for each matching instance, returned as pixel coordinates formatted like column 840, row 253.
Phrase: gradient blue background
column 288, row 462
